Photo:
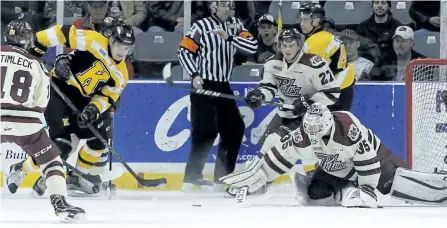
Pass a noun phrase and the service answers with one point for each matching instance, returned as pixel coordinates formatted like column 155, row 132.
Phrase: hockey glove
column 300, row 105
column 254, row 98
column 62, row 67
column 88, row 115
column 252, row 176
column 364, row 196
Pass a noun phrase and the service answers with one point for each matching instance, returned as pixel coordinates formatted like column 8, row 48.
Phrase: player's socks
column 29, row 165
column 57, row 188
column 87, row 159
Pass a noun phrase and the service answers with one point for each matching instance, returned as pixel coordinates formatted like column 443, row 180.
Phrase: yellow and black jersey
column 326, row 45
column 96, row 75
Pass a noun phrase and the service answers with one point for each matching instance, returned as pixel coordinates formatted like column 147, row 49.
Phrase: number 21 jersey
column 25, row 85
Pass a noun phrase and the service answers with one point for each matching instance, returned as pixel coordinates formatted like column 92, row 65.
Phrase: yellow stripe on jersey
column 347, row 77
column 331, row 49
column 96, row 44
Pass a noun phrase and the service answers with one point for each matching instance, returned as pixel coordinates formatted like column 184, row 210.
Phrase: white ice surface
column 276, row 209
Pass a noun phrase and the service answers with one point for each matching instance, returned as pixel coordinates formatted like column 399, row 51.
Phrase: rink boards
column 152, row 126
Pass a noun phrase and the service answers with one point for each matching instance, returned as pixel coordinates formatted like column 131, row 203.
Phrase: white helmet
column 317, row 122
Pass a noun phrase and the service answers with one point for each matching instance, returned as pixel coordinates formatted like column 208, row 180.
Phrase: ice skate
column 77, row 185
column 15, row 177
column 66, row 212
column 39, row 187
column 203, row 184
column 108, row 186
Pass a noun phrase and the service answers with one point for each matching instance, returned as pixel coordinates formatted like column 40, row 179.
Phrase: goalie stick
column 142, row 181
column 167, row 77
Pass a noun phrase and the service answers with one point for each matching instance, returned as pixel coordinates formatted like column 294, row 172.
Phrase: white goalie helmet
column 317, row 122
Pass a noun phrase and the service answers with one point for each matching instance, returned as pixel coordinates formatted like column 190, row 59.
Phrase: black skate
column 76, row 185
column 201, row 183
column 66, row 212
column 39, row 187
column 15, row 177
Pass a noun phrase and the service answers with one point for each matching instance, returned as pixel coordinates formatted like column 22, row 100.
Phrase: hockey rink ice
column 148, row 209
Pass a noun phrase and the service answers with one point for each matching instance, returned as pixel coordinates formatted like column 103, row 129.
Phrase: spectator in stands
column 352, row 43
column 329, row 25
column 376, row 33
column 28, row 11
column 403, row 53
column 165, row 16
column 94, row 18
column 132, row 12
column 426, row 15
column 267, row 29
column 72, row 10
column 245, row 11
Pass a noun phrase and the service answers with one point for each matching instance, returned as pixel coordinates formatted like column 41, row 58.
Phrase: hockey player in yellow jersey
column 326, row 45
column 92, row 77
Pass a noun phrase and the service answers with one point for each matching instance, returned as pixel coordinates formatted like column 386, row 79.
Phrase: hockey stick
column 167, row 77
column 142, row 181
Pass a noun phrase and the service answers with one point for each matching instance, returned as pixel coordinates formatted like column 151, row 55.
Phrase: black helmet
column 291, row 35
column 122, row 33
column 312, row 9
column 19, row 33
column 108, row 24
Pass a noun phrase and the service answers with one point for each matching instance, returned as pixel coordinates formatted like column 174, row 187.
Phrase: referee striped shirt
column 203, row 53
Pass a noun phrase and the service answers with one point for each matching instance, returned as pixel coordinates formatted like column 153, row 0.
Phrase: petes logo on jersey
column 297, row 137
column 330, row 163
column 316, row 60
column 287, row 87
column 353, row 133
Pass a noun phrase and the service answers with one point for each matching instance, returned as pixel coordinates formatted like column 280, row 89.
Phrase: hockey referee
column 207, row 54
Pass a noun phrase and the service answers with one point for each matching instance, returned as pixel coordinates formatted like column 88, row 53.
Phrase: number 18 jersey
column 25, row 85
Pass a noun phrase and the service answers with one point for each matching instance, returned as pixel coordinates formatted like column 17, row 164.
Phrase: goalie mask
column 290, row 43
column 121, row 41
column 317, row 122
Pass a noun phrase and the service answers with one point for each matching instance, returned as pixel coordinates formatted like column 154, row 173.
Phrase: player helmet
column 121, row 40
column 290, row 36
column 309, row 12
column 19, row 33
column 109, row 24
column 317, row 122
column 286, row 44
column 313, row 10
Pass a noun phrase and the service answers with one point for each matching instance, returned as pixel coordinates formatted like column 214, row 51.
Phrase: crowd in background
column 381, row 46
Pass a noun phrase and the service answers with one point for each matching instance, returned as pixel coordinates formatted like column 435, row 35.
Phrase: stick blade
column 167, row 72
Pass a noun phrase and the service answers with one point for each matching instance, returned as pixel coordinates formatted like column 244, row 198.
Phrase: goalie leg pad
column 419, row 187
column 253, row 177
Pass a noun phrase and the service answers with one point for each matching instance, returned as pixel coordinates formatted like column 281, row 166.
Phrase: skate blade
column 66, row 217
column 76, row 193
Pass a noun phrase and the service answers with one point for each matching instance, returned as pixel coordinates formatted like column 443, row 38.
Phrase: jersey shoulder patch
column 346, row 131
column 273, row 65
column 313, row 61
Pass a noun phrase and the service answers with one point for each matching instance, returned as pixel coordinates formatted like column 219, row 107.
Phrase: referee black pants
column 210, row 116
